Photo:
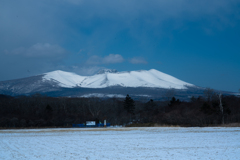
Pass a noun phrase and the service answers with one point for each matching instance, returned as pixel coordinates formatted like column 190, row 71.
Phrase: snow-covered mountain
column 106, row 83
column 110, row 78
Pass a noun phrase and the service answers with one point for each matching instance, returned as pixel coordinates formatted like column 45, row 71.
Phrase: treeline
column 42, row 111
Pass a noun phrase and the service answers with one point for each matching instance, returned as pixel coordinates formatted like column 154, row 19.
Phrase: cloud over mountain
column 41, row 36
column 138, row 60
column 111, row 58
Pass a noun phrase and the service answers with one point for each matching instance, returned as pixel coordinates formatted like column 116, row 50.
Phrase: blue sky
column 195, row 41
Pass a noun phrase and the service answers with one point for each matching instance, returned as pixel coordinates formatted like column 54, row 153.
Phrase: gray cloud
column 96, row 23
column 86, row 70
column 24, row 23
column 38, row 50
column 96, row 27
column 110, row 59
column 138, row 60
column 113, row 58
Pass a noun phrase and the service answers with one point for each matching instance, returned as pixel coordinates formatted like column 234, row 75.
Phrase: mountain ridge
column 143, row 78
column 143, row 83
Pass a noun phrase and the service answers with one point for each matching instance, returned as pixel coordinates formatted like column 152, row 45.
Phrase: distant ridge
column 106, row 83
column 108, row 78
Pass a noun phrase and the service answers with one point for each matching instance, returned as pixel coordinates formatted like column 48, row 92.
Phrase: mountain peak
column 107, row 71
column 143, row 78
column 62, row 81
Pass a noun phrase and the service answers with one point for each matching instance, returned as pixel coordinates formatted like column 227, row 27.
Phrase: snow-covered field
column 121, row 143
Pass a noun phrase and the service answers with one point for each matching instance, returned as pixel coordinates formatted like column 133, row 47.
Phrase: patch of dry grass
column 230, row 125
column 60, row 130
column 150, row 125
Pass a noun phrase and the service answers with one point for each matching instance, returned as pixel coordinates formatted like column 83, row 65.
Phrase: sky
column 195, row 41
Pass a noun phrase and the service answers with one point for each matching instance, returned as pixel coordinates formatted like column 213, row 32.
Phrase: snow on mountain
column 108, row 78
column 65, row 79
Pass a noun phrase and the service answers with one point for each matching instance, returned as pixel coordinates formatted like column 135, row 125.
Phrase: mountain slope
column 107, row 83
column 151, row 78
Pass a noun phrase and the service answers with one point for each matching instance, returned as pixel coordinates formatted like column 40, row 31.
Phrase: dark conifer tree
column 174, row 101
column 129, row 105
column 150, row 105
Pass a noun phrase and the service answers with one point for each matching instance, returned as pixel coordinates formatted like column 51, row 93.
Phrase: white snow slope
column 143, row 78
column 121, row 143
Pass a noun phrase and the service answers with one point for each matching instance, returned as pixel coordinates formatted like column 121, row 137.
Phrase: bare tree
column 170, row 93
column 94, row 106
column 209, row 93
column 221, row 106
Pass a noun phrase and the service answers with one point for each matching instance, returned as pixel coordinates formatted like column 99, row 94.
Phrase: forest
column 42, row 111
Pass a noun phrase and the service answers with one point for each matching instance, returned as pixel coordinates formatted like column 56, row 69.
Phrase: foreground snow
column 143, row 78
column 121, row 143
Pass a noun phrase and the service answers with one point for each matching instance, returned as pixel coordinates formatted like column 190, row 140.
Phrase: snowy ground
column 121, row 143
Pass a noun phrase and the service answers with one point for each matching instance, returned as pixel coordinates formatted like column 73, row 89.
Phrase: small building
column 91, row 123
column 94, row 123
